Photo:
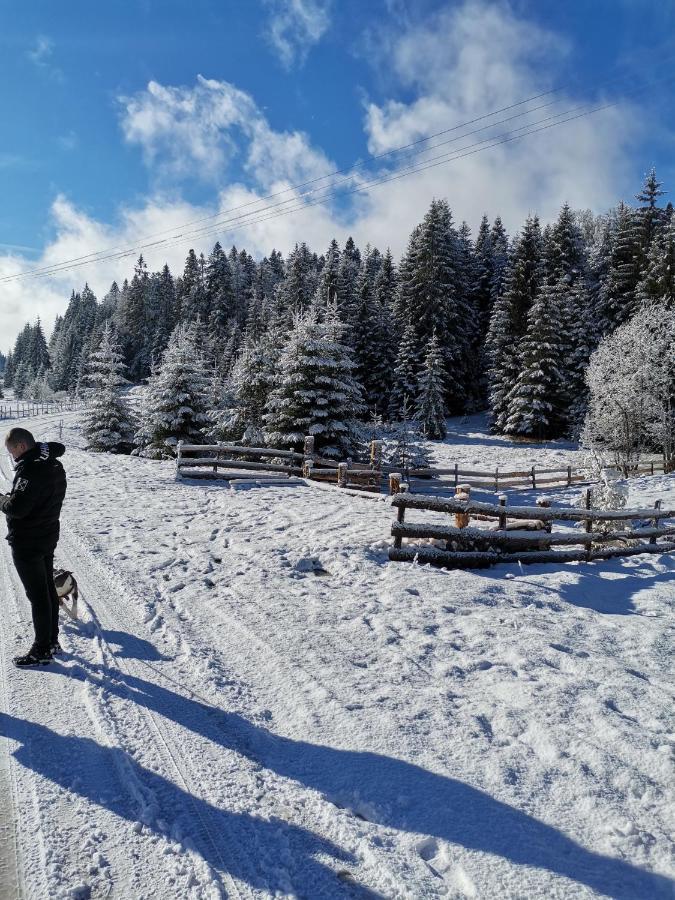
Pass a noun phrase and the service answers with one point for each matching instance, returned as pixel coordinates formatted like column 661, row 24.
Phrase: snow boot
column 56, row 649
column 35, row 657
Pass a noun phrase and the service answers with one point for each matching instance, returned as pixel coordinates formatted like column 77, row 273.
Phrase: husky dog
column 66, row 588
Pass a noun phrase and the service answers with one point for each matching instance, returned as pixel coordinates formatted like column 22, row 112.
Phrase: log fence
column 232, row 461
column 531, row 536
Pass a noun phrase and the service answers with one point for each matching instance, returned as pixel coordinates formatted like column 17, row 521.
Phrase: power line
column 254, row 216
column 429, row 164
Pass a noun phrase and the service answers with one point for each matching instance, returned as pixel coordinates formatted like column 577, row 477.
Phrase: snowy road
column 226, row 722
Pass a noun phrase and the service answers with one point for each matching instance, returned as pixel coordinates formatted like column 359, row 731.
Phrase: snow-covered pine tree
column 618, row 293
column 649, row 216
column 565, row 255
column 348, row 273
column 191, row 294
column 219, row 293
column 430, row 412
column 315, row 392
column 107, row 422
column 367, row 335
column 384, row 293
column 249, row 385
column 327, row 289
column 658, row 282
column 404, row 383
column 37, row 352
column 175, row 406
column 538, row 400
column 509, row 319
column 296, row 291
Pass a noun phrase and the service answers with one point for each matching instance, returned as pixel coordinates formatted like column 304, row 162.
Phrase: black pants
column 36, row 571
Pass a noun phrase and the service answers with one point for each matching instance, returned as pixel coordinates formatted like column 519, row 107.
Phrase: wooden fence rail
column 530, row 537
column 232, row 461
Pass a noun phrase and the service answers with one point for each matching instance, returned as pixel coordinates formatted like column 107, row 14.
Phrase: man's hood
column 54, row 449
column 51, row 450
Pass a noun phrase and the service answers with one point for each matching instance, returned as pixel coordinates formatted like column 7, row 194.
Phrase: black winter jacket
column 34, row 504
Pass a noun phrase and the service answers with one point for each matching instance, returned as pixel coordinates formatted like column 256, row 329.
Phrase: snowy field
column 258, row 704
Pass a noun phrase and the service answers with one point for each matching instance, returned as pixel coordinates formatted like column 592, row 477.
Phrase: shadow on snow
column 389, row 792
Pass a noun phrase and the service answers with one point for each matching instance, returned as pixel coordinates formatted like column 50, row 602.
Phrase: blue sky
column 92, row 155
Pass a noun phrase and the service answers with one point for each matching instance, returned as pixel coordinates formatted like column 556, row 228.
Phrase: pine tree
column 509, row 319
column 404, row 387
column 658, row 282
column 384, row 359
column 175, row 405
column 650, row 217
column 296, row 291
column 250, row 382
column 37, row 352
column 107, row 422
column 316, row 392
column 537, row 402
column 219, row 293
column 430, row 400
column 617, row 296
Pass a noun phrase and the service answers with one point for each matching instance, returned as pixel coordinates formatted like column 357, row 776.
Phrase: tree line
column 277, row 348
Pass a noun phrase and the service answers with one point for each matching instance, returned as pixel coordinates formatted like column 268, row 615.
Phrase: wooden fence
column 525, row 534
column 234, row 461
column 498, row 480
column 17, row 409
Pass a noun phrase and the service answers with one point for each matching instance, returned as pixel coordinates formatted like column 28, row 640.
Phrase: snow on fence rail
column 20, row 410
column 235, row 461
column 529, row 537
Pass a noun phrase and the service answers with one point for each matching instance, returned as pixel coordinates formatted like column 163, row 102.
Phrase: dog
column 66, row 588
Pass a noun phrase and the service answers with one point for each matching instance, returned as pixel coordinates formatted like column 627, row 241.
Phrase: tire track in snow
column 11, row 882
column 313, row 807
column 90, row 573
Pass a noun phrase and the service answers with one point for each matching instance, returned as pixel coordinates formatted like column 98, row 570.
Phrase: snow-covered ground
column 257, row 703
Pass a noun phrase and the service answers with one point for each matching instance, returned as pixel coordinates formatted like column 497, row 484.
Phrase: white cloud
column 199, row 131
column 41, row 53
column 294, row 27
column 478, row 57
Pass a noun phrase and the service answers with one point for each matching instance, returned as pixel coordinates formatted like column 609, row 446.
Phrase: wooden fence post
column 342, row 475
column 456, row 475
column 309, row 446
column 545, row 503
column 376, row 455
column 496, row 479
column 463, row 493
column 589, row 525
column 179, row 455
column 534, row 479
column 502, row 515
column 652, row 468
column 655, row 522
column 587, row 503
column 569, row 476
column 307, row 465
column 400, row 518
column 395, row 483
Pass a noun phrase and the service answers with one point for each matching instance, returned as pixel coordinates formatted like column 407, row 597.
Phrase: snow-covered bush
column 107, row 422
column 631, row 382
column 609, row 491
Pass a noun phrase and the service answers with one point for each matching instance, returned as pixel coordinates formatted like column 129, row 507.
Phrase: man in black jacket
column 32, row 509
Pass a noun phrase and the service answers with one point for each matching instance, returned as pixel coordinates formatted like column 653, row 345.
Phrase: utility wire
column 254, row 216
